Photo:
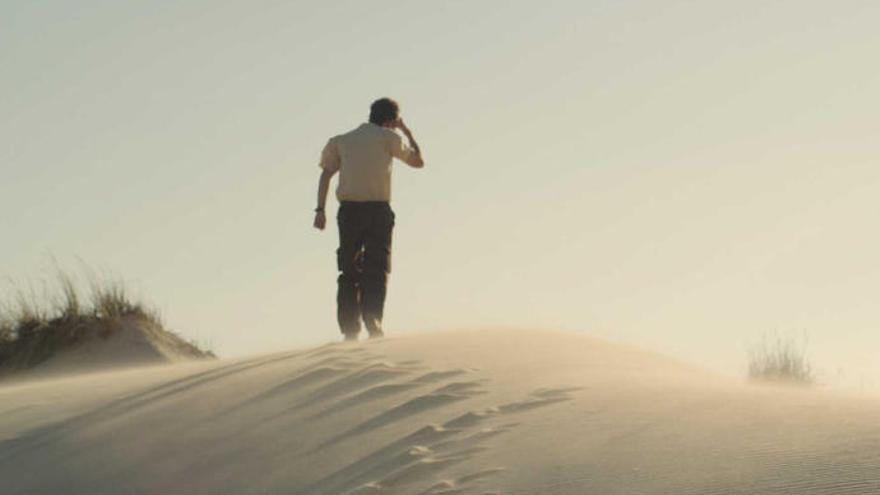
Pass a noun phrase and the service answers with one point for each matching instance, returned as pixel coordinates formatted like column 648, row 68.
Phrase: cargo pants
column 364, row 262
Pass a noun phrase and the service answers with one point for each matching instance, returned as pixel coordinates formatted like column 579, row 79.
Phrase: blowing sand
column 488, row 412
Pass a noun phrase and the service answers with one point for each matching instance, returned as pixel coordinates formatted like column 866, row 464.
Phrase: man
column 363, row 159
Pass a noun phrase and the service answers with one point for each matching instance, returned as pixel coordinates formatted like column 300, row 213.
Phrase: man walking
column 363, row 159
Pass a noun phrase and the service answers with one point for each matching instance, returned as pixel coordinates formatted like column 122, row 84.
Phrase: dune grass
column 34, row 324
column 780, row 359
column 61, row 299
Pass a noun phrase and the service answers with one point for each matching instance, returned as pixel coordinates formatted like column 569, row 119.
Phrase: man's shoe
column 350, row 337
column 374, row 327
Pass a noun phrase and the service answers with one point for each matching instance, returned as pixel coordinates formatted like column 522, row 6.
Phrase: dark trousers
column 364, row 260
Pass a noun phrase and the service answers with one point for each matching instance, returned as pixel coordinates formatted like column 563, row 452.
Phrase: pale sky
column 685, row 176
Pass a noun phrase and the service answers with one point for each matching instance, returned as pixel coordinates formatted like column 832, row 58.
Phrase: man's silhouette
column 363, row 159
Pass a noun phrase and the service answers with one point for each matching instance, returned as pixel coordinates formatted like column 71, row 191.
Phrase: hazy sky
column 683, row 175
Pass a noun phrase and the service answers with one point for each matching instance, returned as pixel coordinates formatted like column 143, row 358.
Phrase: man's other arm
column 323, row 187
column 330, row 164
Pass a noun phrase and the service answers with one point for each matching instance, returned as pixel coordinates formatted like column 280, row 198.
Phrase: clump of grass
column 780, row 359
column 33, row 326
column 68, row 302
column 110, row 300
column 7, row 328
column 26, row 312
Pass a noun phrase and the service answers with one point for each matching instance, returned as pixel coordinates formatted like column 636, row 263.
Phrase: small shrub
column 781, row 360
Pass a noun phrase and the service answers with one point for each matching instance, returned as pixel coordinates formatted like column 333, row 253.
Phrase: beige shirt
column 363, row 158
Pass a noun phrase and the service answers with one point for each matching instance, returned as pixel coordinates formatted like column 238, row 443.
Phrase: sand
column 479, row 412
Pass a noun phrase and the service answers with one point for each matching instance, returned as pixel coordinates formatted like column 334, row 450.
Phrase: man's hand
column 320, row 220
column 398, row 124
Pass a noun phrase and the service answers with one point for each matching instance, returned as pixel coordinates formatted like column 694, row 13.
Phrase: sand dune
column 63, row 348
column 488, row 412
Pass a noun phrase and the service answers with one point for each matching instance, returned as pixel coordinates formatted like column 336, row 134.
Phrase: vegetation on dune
column 35, row 325
column 779, row 359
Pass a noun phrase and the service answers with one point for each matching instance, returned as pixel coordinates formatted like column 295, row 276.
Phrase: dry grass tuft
column 34, row 325
column 779, row 359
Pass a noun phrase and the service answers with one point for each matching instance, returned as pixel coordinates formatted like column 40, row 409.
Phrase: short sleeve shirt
column 363, row 158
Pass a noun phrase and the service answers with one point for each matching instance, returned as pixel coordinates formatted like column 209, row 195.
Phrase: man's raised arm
column 415, row 160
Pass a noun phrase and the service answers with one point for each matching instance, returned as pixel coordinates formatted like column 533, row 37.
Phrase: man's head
column 384, row 112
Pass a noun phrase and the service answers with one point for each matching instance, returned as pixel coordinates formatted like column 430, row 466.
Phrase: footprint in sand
column 423, row 455
column 445, row 395
column 371, row 374
column 385, row 390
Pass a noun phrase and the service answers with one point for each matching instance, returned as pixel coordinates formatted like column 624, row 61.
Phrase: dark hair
column 384, row 110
